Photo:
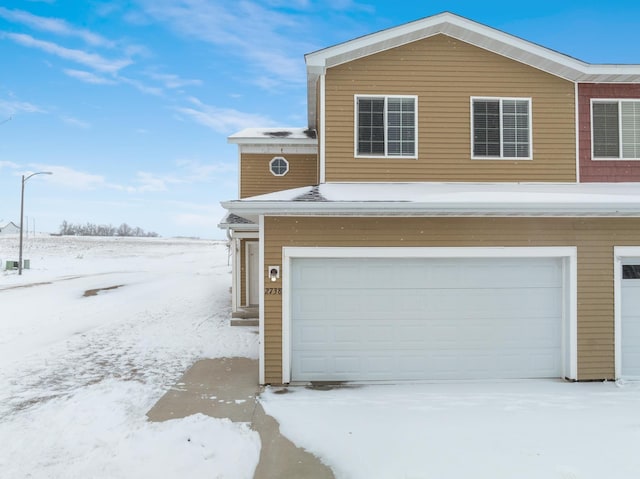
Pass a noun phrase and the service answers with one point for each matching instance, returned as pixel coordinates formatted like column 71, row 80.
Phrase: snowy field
column 78, row 373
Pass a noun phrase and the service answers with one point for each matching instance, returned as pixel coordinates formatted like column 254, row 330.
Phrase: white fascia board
column 284, row 142
column 305, row 208
column 445, row 23
column 233, row 227
column 246, row 234
column 476, row 34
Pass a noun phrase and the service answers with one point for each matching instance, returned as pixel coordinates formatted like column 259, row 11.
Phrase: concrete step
column 244, row 322
column 245, row 313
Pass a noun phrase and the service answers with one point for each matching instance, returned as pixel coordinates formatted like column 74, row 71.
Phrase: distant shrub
column 90, row 229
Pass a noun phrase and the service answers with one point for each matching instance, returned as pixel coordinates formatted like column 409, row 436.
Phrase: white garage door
column 403, row 319
column 631, row 320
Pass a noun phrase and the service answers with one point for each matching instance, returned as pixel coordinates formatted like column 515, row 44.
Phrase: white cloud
column 223, row 120
column 141, row 87
column 9, row 165
column 150, row 182
column 54, row 25
column 11, row 107
column 196, row 171
column 88, row 77
column 193, row 219
column 69, row 120
column 173, row 81
column 93, row 60
column 245, row 28
column 72, row 179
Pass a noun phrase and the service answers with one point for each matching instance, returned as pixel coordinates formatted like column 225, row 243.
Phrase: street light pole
column 24, row 179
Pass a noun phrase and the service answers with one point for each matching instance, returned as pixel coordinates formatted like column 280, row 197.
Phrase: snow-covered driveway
column 495, row 430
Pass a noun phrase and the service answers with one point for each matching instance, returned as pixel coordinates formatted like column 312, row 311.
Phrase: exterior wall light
column 274, row 273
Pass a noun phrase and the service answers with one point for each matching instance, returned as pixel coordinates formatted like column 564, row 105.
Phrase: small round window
column 279, row 166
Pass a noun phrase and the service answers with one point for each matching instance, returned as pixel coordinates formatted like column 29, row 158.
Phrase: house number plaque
column 273, row 291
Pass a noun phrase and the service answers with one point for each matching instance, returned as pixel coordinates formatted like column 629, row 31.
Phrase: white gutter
column 253, row 209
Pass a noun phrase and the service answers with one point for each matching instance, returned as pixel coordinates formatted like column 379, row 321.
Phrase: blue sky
column 129, row 102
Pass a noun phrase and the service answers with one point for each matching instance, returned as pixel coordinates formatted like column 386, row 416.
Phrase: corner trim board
column 261, row 352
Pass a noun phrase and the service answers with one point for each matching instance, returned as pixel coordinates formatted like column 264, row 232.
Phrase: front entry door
column 253, row 272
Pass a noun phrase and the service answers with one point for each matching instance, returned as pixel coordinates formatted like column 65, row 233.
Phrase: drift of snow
column 78, row 373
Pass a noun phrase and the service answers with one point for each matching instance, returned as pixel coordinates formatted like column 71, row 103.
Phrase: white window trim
column 271, row 165
column 385, row 156
column 610, row 100
column 501, row 157
column 621, row 254
column 568, row 253
column 261, row 329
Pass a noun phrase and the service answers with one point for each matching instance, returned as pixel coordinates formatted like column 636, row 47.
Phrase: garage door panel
column 630, row 337
column 426, row 319
column 420, row 303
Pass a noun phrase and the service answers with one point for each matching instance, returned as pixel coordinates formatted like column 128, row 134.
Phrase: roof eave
column 253, row 209
column 477, row 34
column 272, row 141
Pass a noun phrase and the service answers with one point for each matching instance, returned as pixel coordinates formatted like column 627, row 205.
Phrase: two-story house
column 462, row 204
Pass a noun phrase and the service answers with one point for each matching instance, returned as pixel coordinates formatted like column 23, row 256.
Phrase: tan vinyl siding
column 445, row 73
column 594, row 239
column 256, row 179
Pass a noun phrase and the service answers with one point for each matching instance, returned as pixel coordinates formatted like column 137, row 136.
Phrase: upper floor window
column 279, row 166
column 386, row 126
column 501, row 128
column 615, row 128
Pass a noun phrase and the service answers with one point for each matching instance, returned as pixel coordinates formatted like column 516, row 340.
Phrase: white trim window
column 615, row 129
column 501, row 128
column 279, row 166
column 386, row 126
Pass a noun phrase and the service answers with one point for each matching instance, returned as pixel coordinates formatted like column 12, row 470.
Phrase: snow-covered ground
column 78, row 373
column 494, row 430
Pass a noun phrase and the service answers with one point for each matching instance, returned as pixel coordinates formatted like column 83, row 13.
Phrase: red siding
column 603, row 170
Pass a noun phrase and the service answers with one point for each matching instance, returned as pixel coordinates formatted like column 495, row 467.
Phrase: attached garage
column 472, row 313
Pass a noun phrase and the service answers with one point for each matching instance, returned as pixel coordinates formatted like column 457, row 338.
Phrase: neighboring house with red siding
column 462, row 204
column 609, row 146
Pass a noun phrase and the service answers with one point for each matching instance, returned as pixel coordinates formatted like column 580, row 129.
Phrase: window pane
column 631, row 271
column 606, row 143
column 371, row 126
column 401, row 126
column 630, row 129
column 486, row 128
column 515, row 128
column 393, row 148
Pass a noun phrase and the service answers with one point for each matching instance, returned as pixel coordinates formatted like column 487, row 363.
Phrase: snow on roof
column 274, row 135
column 233, row 221
column 528, row 199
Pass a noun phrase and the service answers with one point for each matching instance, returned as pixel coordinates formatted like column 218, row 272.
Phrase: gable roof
column 470, row 32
